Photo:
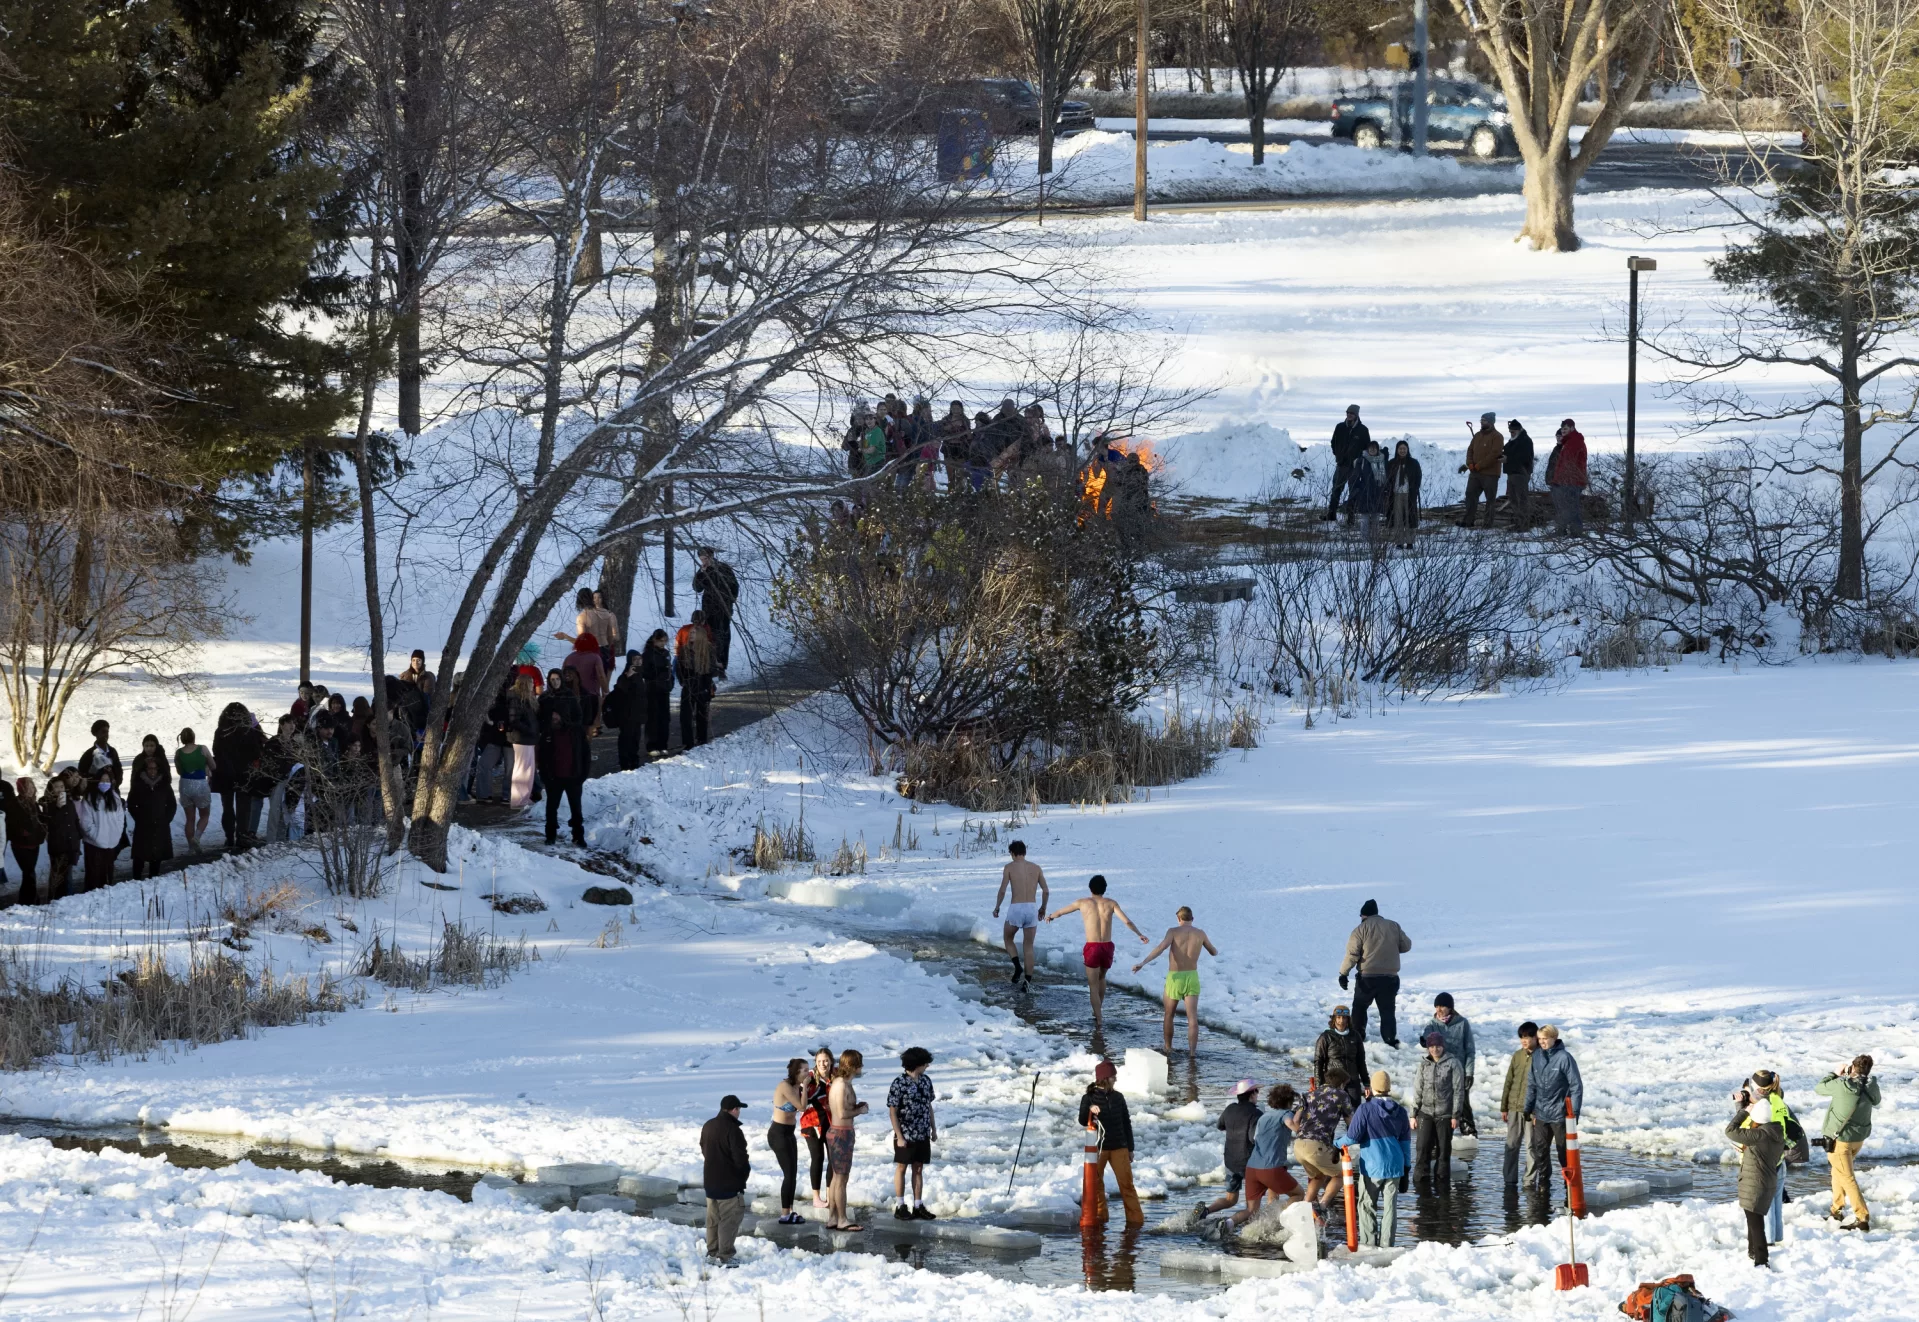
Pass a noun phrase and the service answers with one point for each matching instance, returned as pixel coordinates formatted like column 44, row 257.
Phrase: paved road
column 1623, row 165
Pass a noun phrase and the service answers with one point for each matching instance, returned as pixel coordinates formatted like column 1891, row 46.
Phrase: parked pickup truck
column 1460, row 113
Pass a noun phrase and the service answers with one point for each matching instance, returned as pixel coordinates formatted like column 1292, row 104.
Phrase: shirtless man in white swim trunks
column 1028, row 886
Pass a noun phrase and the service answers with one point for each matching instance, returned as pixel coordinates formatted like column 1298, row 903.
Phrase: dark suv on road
column 1015, row 107
column 1459, row 112
column 1011, row 107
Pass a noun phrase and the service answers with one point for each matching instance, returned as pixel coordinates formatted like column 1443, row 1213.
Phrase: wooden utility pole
column 306, row 568
column 1139, row 114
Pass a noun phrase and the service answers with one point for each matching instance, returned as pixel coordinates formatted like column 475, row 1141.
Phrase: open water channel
column 1474, row 1205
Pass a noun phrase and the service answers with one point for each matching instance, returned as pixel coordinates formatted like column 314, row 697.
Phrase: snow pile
column 1258, row 461
column 1098, row 167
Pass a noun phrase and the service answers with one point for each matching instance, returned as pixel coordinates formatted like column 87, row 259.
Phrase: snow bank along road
column 1548, row 853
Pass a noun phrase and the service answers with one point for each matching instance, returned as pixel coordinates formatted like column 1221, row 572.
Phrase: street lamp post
column 1634, row 265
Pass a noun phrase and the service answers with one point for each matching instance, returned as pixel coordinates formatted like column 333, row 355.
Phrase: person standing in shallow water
column 846, row 1109
column 816, row 1117
column 1103, row 1108
column 1182, row 945
column 781, row 1135
column 1097, row 912
column 1027, row 885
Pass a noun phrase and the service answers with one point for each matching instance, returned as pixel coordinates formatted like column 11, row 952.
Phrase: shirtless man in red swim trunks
column 1097, row 912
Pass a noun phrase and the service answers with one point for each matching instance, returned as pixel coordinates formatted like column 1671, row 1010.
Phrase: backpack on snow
column 1674, row 1299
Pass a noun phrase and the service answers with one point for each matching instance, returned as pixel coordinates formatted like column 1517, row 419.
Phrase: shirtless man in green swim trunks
column 1182, row 944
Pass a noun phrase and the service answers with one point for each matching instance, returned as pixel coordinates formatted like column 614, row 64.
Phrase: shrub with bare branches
column 1452, row 614
column 1002, row 619
column 94, row 571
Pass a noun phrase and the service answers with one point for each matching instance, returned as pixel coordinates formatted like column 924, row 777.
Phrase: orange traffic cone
column 1575, row 1182
column 1352, row 1199
column 1089, row 1181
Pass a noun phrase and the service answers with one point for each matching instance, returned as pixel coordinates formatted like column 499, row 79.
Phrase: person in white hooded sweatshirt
column 103, row 829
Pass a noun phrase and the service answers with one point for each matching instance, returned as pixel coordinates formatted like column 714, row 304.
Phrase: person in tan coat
column 1373, row 951
column 1485, row 454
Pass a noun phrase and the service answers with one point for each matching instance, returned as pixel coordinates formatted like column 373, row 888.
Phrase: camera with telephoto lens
column 1745, row 1097
column 1824, row 1142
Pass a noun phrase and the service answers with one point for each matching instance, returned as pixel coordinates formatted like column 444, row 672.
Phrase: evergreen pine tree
column 180, row 141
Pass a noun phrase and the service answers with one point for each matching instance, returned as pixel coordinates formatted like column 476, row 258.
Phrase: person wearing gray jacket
column 1452, row 1025
column 1437, row 1093
column 1373, row 951
column 1550, row 1084
column 1762, row 1151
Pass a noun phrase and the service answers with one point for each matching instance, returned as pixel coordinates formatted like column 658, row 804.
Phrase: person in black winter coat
column 237, row 748
column 719, row 589
column 564, row 757
column 493, row 771
column 656, row 673
column 62, row 821
column 151, row 804
column 1340, row 1045
column 1402, row 494
column 725, row 1168
column 1349, row 442
column 25, row 834
column 1519, row 474
column 625, row 711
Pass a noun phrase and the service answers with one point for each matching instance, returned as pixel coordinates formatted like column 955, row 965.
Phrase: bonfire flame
column 1096, row 478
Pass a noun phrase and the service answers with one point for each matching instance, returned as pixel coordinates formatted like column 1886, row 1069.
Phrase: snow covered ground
column 118, row 1236
column 1692, row 872
column 1422, row 311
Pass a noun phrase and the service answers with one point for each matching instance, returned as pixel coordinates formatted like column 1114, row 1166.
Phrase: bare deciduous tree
column 811, row 270
column 1546, row 57
column 1057, row 39
column 1266, row 38
column 95, row 574
column 422, row 156
column 1826, row 279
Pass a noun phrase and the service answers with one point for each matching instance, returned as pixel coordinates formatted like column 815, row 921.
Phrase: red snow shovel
column 1570, row 1275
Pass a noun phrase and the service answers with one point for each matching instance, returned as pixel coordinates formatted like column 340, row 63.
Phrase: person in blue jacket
column 1384, row 1136
column 1552, row 1082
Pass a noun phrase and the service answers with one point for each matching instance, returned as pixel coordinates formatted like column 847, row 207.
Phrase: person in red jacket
column 1566, row 477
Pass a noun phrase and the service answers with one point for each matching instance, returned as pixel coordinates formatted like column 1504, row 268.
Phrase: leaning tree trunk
column 1549, row 200
column 392, row 794
column 619, row 567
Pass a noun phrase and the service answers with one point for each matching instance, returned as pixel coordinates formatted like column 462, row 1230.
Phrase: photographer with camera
column 1854, row 1093
column 1762, row 1144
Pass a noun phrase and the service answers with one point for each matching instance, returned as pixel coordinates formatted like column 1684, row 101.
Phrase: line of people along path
column 1395, row 1141
column 276, row 777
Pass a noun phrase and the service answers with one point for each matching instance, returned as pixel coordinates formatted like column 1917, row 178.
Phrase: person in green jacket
column 1854, row 1093
column 1512, row 1104
column 873, row 447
